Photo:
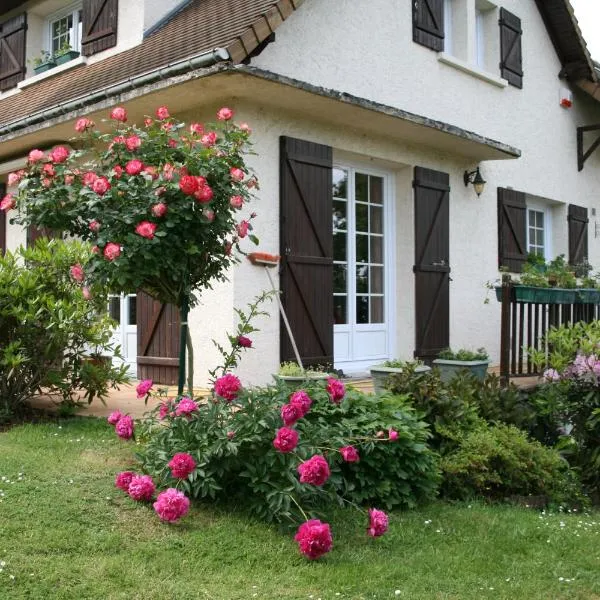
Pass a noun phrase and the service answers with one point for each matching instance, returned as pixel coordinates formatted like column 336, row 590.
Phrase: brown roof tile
column 238, row 25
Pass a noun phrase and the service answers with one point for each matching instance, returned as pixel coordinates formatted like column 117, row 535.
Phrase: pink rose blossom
column 95, row 250
column 83, row 124
column 112, row 251
column 314, row 538
column 209, row 139
column 49, row 170
column 123, row 479
column 114, row 417
column 290, row 413
column 89, row 178
column 94, row 226
column 392, row 435
column 118, row 139
column 252, row 183
column 181, row 465
column 196, row 128
column 141, row 487
column 244, row 342
column 101, row 186
column 134, row 167
column 162, row 113
column 228, row 387
column 378, row 522
column 159, row 210
column 146, row 229
column 151, row 171
column 242, row 228
column 87, row 294
column 148, row 122
column 236, row 202
column 124, row 427
column 15, row 178
column 245, row 128
column 224, row 114
column 118, row 114
column 336, row 389
column 315, row 470
column 171, row 505
column 8, row 202
column 77, row 273
column 204, row 194
column 286, row 439
column 168, row 170
column 188, row 184
column 185, row 407
column 143, row 387
column 301, row 400
column 59, row 154
column 236, row 174
column 349, row 454
column 133, row 142
column 35, row 156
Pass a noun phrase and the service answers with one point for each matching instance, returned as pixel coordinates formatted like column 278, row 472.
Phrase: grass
column 66, row 532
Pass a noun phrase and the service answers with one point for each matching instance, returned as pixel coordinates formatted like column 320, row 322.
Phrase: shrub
column 464, row 354
column 47, row 325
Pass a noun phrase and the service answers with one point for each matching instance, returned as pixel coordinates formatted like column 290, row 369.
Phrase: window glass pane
column 377, row 309
column 339, row 246
column 340, row 310
column 339, row 278
column 362, row 217
column 362, row 248
column 376, row 280
column 376, row 189
column 114, row 308
column 362, row 279
column 132, row 310
column 540, row 237
column 362, row 187
column 362, row 309
column 339, row 215
column 376, row 219
column 340, row 183
column 376, row 249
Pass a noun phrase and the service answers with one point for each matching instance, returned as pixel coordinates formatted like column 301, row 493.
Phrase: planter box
column 450, row 368
column 66, row 57
column 295, row 382
column 525, row 293
column 44, row 67
column 379, row 373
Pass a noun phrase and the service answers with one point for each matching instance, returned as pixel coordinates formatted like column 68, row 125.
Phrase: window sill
column 80, row 60
column 470, row 69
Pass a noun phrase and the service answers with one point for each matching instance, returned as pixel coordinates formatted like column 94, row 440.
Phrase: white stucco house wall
column 366, row 114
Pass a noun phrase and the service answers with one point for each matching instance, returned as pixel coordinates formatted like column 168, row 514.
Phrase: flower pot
column 44, row 67
column 66, row 57
column 380, row 375
column 450, row 368
column 295, row 382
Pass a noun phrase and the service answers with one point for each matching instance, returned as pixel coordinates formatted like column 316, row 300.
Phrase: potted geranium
column 380, row 373
column 450, row 363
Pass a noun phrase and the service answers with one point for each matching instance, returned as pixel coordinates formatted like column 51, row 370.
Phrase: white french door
column 123, row 310
column 361, row 270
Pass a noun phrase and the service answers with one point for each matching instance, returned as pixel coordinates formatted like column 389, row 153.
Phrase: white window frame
column 547, row 212
column 72, row 9
column 448, row 27
column 480, row 38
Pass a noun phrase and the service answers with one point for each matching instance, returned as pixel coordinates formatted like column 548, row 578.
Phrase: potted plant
column 380, row 373
column 451, row 363
column 44, row 62
column 65, row 54
column 293, row 376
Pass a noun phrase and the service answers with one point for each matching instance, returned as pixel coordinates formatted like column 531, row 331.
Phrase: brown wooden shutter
column 158, row 337
column 306, row 237
column 99, row 24
column 512, row 229
column 2, row 222
column 511, row 57
column 428, row 23
column 578, row 234
column 12, row 51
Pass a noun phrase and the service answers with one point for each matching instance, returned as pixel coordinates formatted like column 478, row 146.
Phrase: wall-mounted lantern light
column 476, row 179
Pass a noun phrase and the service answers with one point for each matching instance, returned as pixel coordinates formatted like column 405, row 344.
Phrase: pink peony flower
column 49, row 170
column 245, row 128
column 118, row 139
column 290, row 413
column 46, row 182
column 171, row 505
column 124, row 427
column 162, row 113
column 35, row 155
column 181, row 465
column 134, row 167
column 89, row 178
column 159, row 210
column 315, row 470
column 59, row 154
column 196, row 128
column 118, row 114
column 148, row 122
column 224, row 114
column 228, row 387
column 101, row 186
column 143, row 387
column 209, row 214
column 242, row 228
column 114, row 417
column 392, row 435
column 168, row 170
column 230, row 435
column 69, row 179
column 336, row 389
column 77, row 272
column 204, row 194
column 146, row 229
column 123, row 479
column 209, row 139
column 165, row 409
column 117, row 171
column 8, row 202
column 302, row 400
column 378, row 522
column 112, row 251
column 188, row 184
column 244, row 342
column 15, row 178
column 151, row 171
column 133, row 142
column 286, row 439
column 349, row 454
column 94, row 226
column 236, row 202
column 83, row 124
column 87, row 294
column 141, row 487
column 236, row 174
column 185, row 407
column 95, row 250
column 314, row 538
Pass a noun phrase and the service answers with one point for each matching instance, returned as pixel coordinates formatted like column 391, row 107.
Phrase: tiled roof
column 237, row 25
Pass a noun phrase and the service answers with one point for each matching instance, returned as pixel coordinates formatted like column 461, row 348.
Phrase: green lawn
column 66, row 532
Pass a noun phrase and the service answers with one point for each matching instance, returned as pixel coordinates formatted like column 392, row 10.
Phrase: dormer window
column 65, row 31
